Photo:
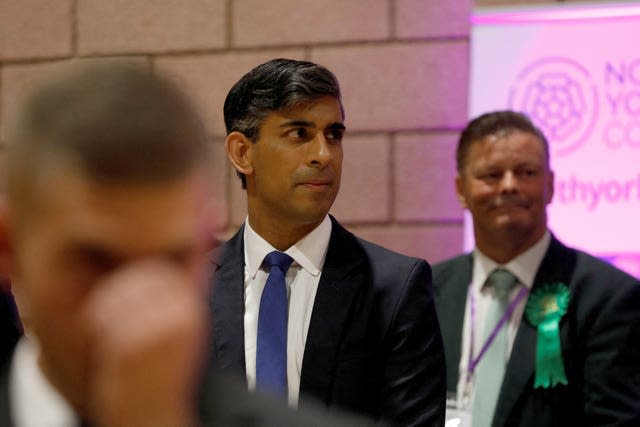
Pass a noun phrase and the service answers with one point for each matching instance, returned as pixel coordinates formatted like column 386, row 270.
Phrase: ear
column 460, row 191
column 239, row 151
column 6, row 252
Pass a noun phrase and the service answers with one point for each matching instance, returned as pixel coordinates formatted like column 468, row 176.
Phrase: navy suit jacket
column 374, row 345
column 600, row 339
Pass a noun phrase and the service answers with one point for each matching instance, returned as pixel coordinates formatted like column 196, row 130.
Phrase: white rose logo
column 560, row 98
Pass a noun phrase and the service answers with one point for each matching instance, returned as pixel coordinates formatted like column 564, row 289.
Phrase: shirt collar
column 36, row 401
column 524, row 266
column 309, row 252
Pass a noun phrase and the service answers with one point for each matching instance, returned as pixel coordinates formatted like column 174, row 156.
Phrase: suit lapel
column 342, row 277
column 518, row 374
column 451, row 294
column 227, row 305
column 557, row 266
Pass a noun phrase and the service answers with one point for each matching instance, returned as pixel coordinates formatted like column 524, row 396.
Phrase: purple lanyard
column 473, row 362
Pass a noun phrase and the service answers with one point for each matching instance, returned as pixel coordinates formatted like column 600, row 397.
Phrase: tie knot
column 502, row 281
column 278, row 259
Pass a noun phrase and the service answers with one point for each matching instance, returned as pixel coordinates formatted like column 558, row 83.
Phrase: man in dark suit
column 362, row 332
column 572, row 322
column 106, row 231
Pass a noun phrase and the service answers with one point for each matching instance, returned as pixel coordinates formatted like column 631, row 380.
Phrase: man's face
column 506, row 184
column 82, row 234
column 296, row 164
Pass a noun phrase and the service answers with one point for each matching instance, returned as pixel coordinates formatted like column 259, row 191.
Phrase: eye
column 181, row 257
column 334, row 135
column 93, row 259
column 527, row 172
column 298, row 133
column 490, row 176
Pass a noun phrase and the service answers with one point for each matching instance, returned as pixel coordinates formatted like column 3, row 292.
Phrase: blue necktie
column 271, row 352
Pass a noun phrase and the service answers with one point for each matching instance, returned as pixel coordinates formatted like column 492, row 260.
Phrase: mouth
column 320, row 181
column 509, row 204
column 510, row 209
column 317, row 184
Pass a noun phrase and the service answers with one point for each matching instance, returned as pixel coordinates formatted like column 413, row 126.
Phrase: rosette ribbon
column 545, row 308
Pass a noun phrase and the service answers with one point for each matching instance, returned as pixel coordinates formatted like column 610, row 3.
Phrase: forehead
column 134, row 219
column 514, row 145
column 324, row 109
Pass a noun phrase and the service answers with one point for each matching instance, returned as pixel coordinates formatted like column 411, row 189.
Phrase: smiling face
column 506, row 184
column 293, row 169
column 81, row 234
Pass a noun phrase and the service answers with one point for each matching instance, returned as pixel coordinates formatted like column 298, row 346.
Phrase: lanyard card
column 456, row 415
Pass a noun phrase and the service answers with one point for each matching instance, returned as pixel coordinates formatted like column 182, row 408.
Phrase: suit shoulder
column 590, row 268
column 225, row 251
column 596, row 286
column 448, row 266
column 343, row 237
column 387, row 256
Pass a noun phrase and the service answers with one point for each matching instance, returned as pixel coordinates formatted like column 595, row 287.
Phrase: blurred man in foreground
column 103, row 235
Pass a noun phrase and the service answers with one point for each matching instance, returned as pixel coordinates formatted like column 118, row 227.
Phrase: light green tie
column 490, row 370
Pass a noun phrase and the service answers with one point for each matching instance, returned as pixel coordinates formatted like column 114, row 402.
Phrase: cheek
column 55, row 305
column 480, row 193
column 338, row 155
column 338, row 168
column 269, row 174
column 538, row 192
column 52, row 294
column 198, row 271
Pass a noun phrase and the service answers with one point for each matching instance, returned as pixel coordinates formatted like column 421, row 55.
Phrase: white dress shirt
column 34, row 402
column 302, row 280
column 524, row 267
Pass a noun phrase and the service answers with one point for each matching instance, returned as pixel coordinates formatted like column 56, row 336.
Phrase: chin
column 511, row 225
column 316, row 209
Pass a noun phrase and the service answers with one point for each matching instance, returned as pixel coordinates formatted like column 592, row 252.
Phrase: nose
column 320, row 152
column 509, row 182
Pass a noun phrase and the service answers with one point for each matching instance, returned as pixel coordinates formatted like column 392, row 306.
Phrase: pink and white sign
column 575, row 70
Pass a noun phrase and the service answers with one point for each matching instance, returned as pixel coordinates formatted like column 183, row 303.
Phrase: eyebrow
column 305, row 123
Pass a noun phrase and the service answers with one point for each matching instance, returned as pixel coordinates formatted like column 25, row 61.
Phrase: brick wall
column 402, row 64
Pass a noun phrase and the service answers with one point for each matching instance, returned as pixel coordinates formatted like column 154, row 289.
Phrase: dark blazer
column 10, row 326
column 374, row 344
column 600, row 338
column 226, row 403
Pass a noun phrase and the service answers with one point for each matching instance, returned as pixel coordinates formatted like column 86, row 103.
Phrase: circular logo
column 560, row 98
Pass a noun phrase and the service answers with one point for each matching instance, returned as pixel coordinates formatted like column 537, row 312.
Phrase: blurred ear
column 6, row 253
column 460, row 192
column 239, row 151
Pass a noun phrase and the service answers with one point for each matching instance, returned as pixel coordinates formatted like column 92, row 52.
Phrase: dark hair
column 493, row 123
column 276, row 85
column 118, row 122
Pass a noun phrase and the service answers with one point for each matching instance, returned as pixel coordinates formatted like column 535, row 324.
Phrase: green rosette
column 544, row 309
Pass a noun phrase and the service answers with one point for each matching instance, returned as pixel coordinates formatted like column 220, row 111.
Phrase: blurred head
column 107, row 166
column 276, row 86
column 505, row 181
